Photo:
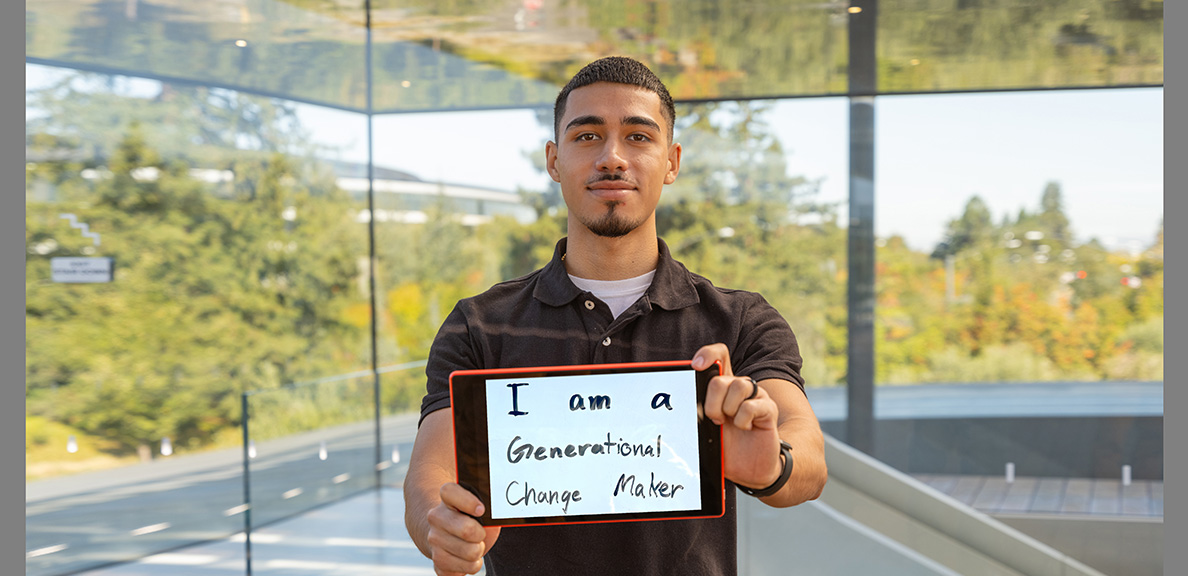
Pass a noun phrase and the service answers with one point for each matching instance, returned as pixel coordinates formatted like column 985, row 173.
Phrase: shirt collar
column 672, row 287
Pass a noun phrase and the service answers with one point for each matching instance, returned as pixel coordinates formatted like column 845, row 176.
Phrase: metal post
column 372, row 261
column 247, row 486
column 860, row 251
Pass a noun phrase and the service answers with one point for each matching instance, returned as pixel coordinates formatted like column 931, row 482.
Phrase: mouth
column 610, row 185
column 610, row 189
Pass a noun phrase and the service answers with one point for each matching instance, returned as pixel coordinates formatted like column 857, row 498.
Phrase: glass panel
column 940, row 45
column 309, row 444
column 760, row 205
column 439, row 238
column 402, row 386
column 220, row 257
column 270, row 47
column 1019, row 324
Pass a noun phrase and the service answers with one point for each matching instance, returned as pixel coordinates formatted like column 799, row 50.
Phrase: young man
column 613, row 293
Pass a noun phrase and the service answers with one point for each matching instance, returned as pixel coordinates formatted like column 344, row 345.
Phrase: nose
column 612, row 158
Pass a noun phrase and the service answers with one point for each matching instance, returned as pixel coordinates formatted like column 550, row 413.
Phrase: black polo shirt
column 542, row 319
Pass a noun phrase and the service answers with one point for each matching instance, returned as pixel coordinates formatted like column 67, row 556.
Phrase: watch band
column 785, row 473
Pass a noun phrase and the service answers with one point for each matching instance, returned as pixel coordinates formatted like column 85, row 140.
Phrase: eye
column 637, row 137
column 585, row 137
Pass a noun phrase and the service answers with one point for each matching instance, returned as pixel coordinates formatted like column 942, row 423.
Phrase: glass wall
column 1019, row 323
column 184, row 245
column 198, row 211
column 1021, row 237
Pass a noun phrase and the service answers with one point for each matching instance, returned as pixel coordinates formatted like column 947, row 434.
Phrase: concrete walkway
column 357, row 536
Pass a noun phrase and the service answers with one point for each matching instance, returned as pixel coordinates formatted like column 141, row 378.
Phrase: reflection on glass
column 430, row 52
column 935, row 46
column 273, row 47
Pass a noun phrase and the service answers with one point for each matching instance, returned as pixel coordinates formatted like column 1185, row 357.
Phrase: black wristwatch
column 786, row 454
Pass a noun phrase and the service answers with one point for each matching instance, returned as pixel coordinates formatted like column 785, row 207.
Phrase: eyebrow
column 588, row 120
column 642, row 121
column 592, row 120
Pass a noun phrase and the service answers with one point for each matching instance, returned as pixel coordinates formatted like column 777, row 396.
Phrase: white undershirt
column 619, row 295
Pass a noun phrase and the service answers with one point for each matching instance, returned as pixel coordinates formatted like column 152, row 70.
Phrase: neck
column 597, row 258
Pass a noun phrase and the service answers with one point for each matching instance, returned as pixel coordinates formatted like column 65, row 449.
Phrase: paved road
column 79, row 522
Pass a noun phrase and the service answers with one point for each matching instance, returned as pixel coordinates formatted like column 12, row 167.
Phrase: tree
column 973, row 230
column 212, row 296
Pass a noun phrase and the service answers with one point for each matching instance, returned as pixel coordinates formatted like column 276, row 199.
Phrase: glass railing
column 305, row 445
column 87, row 520
column 314, row 443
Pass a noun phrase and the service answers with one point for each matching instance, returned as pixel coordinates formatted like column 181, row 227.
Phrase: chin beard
column 611, row 224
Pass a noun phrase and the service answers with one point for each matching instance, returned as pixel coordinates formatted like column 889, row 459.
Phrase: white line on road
column 46, row 550
column 150, row 529
column 369, row 543
column 236, row 510
column 258, row 538
column 293, row 493
column 341, row 478
column 180, row 559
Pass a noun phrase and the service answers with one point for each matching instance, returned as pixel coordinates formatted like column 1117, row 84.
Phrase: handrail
column 940, row 512
column 340, row 377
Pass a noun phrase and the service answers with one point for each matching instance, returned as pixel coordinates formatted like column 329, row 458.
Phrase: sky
column 933, row 153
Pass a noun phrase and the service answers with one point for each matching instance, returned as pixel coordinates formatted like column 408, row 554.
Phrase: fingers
column 739, row 400
column 456, row 540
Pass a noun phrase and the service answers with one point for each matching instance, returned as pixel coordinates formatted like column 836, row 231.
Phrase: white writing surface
column 593, row 444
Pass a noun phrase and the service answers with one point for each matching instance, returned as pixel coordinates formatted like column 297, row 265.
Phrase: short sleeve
column 452, row 350
column 767, row 348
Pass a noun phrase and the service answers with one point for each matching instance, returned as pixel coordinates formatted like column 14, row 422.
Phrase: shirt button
column 606, row 342
column 589, row 304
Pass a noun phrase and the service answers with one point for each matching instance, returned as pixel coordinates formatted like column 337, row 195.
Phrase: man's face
column 612, row 157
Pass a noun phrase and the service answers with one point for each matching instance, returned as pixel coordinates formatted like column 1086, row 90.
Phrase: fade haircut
column 619, row 70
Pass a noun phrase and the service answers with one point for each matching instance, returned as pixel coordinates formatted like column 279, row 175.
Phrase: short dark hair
column 619, row 70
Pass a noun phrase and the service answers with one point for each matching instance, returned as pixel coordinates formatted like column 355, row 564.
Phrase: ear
column 674, row 163
column 551, row 161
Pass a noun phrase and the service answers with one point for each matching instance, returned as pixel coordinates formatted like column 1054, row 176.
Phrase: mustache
column 611, row 177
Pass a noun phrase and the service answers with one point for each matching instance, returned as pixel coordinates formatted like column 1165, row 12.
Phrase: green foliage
column 212, row 296
column 1021, row 292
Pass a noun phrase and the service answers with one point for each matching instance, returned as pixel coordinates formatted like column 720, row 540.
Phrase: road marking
column 369, row 543
column 236, row 510
column 150, row 529
column 341, row 478
column 293, row 493
column 349, row 569
column 383, row 465
column 180, row 559
column 46, row 550
column 257, row 538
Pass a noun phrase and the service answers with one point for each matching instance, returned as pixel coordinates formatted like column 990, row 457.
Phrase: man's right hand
column 457, row 542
